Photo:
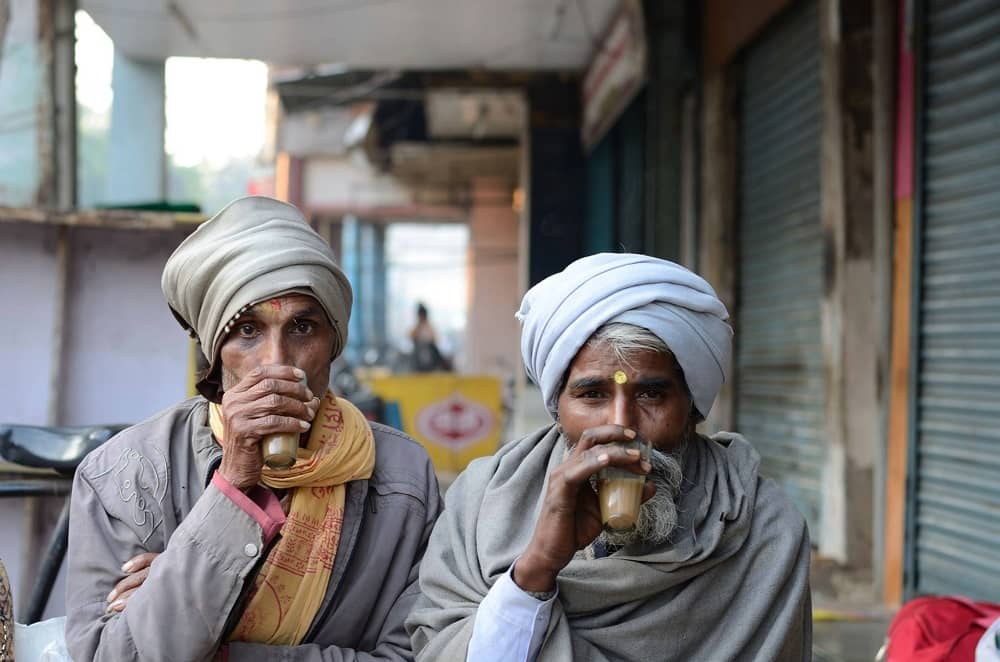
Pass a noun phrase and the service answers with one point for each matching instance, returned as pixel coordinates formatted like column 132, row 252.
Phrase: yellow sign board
column 456, row 417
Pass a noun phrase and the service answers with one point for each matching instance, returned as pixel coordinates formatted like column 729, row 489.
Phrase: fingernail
column 126, row 566
column 309, row 394
column 298, row 373
column 117, row 604
column 646, row 466
column 634, row 452
column 304, row 425
column 111, row 595
column 630, row 433
column 603, row 457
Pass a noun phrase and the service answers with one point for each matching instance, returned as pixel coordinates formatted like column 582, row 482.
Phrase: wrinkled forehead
column 283, row 306
column 610, row 353
column 284, row 303
column 605, row 359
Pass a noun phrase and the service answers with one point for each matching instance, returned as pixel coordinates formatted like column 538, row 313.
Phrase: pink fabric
column 259, row 503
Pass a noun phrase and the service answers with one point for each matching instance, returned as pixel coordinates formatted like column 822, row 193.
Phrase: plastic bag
column 988, row 648
column 44, row 641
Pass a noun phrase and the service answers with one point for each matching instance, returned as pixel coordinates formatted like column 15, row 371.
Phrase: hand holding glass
column 619, row 491
column 282, row 449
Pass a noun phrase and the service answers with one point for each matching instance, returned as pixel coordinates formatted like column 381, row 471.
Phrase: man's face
column 648, row 396
column 291, row 330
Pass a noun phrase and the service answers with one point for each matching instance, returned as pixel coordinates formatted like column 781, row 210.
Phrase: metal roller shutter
column 954, row 533
column 780, row 383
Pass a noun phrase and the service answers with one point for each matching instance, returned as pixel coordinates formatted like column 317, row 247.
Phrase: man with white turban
column 519, row 569
column 184, row 545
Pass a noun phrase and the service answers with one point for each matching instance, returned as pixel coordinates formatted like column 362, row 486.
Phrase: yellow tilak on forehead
column 620, row 377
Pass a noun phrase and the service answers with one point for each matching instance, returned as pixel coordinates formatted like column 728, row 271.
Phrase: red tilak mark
column 276, row 304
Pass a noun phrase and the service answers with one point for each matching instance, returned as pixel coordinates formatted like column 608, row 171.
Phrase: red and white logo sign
column 455, row 422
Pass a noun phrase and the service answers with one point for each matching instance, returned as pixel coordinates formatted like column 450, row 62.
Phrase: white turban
column 559, row 315
column 255, row 249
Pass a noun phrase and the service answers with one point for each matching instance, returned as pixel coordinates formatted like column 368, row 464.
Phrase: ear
column 694, row 416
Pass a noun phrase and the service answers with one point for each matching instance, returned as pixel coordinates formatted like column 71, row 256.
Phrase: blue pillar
column 379, row 290
column 350, row 261
column 365, row 303
column 137, row 163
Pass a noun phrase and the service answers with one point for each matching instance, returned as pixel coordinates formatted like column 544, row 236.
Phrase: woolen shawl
column 733, row 586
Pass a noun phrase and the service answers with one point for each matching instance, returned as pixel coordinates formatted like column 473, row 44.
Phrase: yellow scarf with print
column 289, row 588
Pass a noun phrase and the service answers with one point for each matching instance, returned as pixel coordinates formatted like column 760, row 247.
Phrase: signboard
column 457, row 418
column 616, row 73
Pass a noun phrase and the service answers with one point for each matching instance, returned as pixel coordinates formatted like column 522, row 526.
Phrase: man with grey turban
column 189, row 540
column 629, row 352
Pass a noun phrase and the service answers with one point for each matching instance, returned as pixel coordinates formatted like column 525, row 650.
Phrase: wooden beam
column 897, row 452
column 288, row 173
column 883, row 107
column 717, row 229
column 415, row 212
column 4, row 20
column 123, row 219
column 729, row 26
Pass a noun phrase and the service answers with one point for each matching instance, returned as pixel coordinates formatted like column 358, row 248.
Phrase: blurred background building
column 830, row 166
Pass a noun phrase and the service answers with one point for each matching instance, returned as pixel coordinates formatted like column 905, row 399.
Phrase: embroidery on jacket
column 141, row 484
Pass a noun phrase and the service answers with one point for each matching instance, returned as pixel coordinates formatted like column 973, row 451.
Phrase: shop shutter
column 780, row 383
column 954, row 525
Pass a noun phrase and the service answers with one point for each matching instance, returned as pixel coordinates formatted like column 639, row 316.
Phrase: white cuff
column 510, row 623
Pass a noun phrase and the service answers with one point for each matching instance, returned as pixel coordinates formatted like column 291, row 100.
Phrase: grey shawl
column 734, row 585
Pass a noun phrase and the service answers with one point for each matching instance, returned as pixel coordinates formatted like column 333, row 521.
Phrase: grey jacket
column 149, row 489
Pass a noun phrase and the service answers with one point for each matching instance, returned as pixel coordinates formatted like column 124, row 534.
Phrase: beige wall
column 492, row 334
column 349, row 182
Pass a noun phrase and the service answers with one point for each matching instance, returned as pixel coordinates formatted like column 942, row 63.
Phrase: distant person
column 427, row 356
column 629, row 352
column 183, row 545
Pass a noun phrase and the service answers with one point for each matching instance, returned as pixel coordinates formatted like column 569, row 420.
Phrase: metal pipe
column 54, row 413
column 49, row 569
column 35, row 488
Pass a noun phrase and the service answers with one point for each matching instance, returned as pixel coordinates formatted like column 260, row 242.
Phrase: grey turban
column 559, row 315
column 253, row 250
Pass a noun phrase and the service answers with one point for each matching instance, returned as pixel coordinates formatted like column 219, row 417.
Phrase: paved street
column 848, row 641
